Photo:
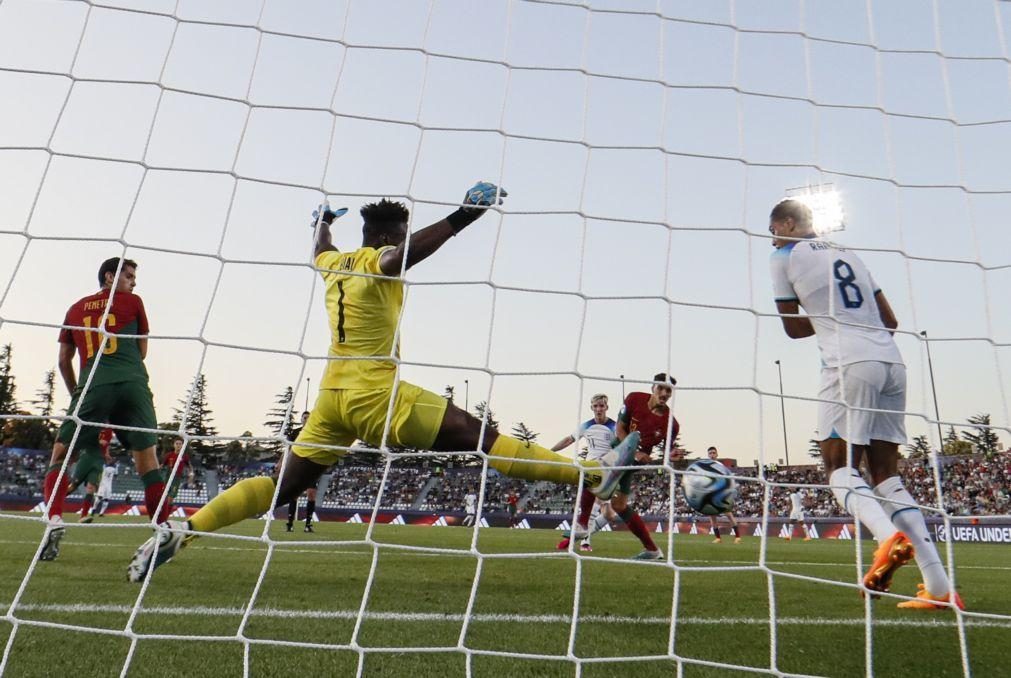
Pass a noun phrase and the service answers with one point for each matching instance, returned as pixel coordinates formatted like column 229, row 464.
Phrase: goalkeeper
column 364, row 298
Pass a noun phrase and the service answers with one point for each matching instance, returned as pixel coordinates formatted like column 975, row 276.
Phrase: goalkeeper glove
column 329, row 214
column 482, row 194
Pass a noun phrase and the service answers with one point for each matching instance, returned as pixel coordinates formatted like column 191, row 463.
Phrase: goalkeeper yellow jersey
column 363, row 315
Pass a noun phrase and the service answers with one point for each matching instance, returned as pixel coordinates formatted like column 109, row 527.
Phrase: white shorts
column 797, row 515
column 869, row 385
column 104, row 490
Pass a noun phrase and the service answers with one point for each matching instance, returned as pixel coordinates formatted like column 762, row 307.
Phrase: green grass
column 312, row 593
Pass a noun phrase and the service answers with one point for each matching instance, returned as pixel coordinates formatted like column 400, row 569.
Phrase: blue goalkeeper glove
column 329, row 214
column 482, row 194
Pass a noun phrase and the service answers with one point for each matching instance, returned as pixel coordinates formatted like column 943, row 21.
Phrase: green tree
column 199, row 420
column 920, row 448
column 8, row 388
column 479, row 412
column 953, row 445
column 449, row 393
column 279, row 418
column 814, row 448
column 983, row 437
column 522, row 432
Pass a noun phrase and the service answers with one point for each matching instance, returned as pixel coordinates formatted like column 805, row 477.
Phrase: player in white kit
column 863, row 395
column 797, row 515
column 714, row 524
column 600, row 439
column 104, row 489
column 470, row 508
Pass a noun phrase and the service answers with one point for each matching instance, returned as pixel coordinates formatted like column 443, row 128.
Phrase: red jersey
column 170, row 460
column 104, row 440
column 652, row 426
column 121, row 360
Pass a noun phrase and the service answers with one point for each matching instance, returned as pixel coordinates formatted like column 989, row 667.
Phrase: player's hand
column 484, row 194
column 328, row 214
column 643, row 458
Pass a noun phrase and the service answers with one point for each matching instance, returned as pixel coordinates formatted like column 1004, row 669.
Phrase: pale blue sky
column 642, row 155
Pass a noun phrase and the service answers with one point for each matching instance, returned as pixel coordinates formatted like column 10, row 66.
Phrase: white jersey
column 599, row 437
column 796, row 502
column 470, row 503
column 105, row 485
column 833, row 282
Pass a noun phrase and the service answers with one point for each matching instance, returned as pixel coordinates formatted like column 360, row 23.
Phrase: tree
column 44, row 396
column 920, row 448
column 279, row 418
column 952, row 445
column 522, row 432
column 814, row 448
column 479, row 412
column 8, row 389
column 983, row 437
column 449, row 393
column 199, row 421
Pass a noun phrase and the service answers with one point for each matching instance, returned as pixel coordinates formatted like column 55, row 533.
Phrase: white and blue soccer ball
column 712, row 493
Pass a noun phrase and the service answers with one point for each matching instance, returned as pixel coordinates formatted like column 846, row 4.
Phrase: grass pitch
column 414, row 617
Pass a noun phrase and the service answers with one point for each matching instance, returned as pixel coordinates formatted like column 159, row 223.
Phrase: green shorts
column 88, row 468
column 174, row 487
column 127, row 403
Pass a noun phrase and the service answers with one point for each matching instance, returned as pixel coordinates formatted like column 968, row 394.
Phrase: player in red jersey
column 185, row 466
column 112, row 343
column 648, row 414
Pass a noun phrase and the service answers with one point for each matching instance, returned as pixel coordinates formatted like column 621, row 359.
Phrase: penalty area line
column 429, row 617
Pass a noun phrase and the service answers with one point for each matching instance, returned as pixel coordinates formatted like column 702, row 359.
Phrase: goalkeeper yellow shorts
column 342, row 416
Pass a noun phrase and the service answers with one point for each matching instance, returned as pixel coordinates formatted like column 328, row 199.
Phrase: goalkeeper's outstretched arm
column 424, row 243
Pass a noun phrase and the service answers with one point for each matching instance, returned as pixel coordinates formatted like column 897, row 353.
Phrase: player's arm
column 426, row 242
column 324, row 241
column 885, row 311
column 795, row 325
column 563, row 443
column 65, row 361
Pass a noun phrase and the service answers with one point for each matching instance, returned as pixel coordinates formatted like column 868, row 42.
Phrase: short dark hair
column 663, row 378
column 110, row 266
column 306, row 412
column 789, row 208
column 383, row 216
column 711, row 448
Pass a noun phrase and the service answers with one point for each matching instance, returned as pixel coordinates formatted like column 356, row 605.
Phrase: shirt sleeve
column 875, row 288
column 371, row 262
column 142, row 326
column 779, row 266
column 327, row 260
column 66, row 335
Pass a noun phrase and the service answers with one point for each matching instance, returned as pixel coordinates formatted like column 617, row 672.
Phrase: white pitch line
column 321, row 550
column 275, row 613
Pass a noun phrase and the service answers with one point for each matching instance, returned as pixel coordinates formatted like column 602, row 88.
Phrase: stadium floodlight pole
column 933, row 390
column 782, row 409
column 466, row 395
column 308, row 381
column 622, row 377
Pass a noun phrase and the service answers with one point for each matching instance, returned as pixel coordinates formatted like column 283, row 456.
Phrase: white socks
column 598, row 523
column 908, row 518
column 857, row 499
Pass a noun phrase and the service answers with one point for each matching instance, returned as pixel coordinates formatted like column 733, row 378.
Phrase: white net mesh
column 642, row 145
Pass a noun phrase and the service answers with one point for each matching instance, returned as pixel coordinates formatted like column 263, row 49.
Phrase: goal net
column 642, row 145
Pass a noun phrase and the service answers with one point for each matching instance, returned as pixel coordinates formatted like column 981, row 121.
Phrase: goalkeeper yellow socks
column 522, row 462
column 244, row 499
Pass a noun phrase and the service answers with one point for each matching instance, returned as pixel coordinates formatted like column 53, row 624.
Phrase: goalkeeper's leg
column 460, row 431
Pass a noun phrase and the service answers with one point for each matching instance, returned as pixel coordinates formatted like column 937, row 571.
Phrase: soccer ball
column 709, row 494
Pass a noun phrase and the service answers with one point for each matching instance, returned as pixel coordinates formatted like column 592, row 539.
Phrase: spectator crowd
column 970, row 486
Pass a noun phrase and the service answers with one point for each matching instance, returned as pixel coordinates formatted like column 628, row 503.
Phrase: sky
column 642, row 144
